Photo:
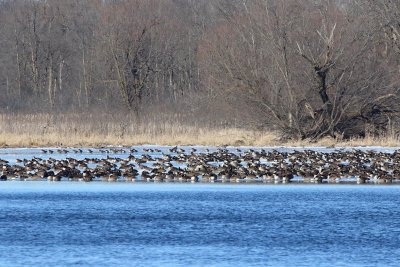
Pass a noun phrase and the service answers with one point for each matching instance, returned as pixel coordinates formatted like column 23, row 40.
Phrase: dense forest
column 308, row 68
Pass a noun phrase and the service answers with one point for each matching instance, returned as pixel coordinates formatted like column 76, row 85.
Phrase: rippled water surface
column 100, row 224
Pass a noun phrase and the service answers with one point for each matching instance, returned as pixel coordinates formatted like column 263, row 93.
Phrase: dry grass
column 99, row 130
column 91, row 130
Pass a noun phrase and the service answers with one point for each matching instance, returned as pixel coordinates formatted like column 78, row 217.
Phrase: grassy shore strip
column 211, row 137
column 44, row 130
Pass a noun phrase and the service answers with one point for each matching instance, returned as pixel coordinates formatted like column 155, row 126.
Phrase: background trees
column 307, row 68
column 311, row 69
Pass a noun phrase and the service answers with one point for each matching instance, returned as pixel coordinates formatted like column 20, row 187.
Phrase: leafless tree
column 127, row 36
column 309, row 67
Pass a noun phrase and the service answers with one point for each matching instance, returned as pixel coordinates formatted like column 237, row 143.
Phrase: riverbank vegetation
column 90, row 130
column 218, row 72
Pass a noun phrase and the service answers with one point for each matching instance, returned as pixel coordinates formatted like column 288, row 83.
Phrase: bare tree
column 127, row 37
column 308, row 68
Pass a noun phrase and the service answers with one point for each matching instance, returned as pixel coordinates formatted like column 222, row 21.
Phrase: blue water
column 100, row 224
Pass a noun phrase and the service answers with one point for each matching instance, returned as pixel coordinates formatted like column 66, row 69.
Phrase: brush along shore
column 44, row 130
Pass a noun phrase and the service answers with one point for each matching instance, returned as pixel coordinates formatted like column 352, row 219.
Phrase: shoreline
column 216, row 138
column 94, row 130
column 217, row 183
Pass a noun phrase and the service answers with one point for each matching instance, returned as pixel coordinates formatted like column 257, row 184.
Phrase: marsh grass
column 93, row 130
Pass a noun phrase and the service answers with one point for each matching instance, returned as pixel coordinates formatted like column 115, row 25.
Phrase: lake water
column 101, row 224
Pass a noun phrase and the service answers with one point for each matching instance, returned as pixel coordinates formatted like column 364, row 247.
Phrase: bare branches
column 307, row 68
column 325, row 52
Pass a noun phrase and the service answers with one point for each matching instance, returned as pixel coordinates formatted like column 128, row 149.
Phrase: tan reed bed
column 45, row 130
column 90, row 130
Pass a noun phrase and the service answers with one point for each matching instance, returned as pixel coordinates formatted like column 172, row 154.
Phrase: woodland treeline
column 308, row 68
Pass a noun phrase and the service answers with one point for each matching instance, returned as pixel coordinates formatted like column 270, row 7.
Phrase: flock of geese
column 218, row 166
